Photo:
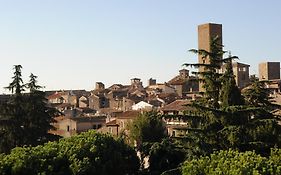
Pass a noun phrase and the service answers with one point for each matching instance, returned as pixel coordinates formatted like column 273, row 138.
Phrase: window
column 67, row 128
column 242, row 69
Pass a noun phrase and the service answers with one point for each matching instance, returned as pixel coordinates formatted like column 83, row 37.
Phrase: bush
column 165, row 156
column 233, row 162
column 87, row 153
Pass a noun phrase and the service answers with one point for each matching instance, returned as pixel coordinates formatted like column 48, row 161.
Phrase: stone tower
column 205, row 33
column 241, row 73
column 269, row 70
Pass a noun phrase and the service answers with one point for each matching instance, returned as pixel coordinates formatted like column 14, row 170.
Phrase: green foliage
column 257, row 95
column 223, row 118
column 209, row 75
column 16, row 85
column 39, row 115
column 164, row 156
column 87, row 153
column 233, row 162
column 26, row 118
column 229, row 94
column 12, row 114
column 147, row 127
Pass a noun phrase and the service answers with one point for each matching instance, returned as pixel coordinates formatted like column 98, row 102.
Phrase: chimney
column 151, row 82
column 99, row 86
column 184, row 73
column 136, row 81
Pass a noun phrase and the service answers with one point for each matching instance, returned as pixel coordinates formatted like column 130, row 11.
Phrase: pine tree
column 26, row 118
column 211, row 77
column 263, row 126
column 39, row 115
column 17, row 84
column 204, row 136
column 225, row 119
column 12, row 114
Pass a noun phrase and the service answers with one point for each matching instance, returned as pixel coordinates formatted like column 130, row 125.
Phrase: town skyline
column 72, row 45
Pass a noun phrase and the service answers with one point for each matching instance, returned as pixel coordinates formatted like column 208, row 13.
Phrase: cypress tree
column 230, row 94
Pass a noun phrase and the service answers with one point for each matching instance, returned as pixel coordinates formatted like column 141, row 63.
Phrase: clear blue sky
column 71, row 44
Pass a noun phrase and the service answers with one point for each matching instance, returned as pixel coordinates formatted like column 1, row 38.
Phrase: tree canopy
column 233, row 162
column 86, row 153
column 26, row 118
column 147, row 127
column 224, row 117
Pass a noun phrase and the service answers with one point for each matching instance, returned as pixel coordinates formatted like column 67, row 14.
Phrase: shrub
column 234, row 163
column 87, row 153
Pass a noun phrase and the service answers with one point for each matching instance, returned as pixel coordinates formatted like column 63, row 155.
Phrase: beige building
column 160, row 88
column 119, row 124
column 183, row 83
column 142, row 106
column 67, row 127
column 205, row 33
column 67, row 96
column 83, row 102
column 177, row 107
column 176, row 127
column 269, row 70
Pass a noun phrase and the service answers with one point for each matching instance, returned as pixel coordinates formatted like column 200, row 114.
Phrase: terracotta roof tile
column 54, row 96
column 177, row 105
column 178, row 80
column 64, row 105
column 89, row 119
column 128, row 114
column 112, row 123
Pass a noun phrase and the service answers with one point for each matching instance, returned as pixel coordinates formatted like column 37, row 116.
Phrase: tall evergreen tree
column 230, row 93
column 211, row 76
column 16, row 86
column 208, row 108
column 263, row 127
column 39, row 114
column 257, row 95
column 12, row 114
column 225, row 121
column 26, row 118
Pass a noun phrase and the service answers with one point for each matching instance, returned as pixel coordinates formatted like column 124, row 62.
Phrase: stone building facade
column 241, row 73
column 269, row 70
